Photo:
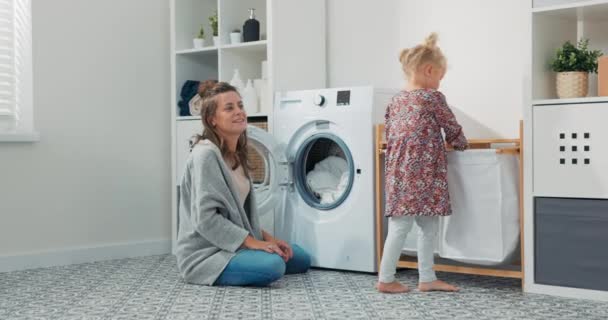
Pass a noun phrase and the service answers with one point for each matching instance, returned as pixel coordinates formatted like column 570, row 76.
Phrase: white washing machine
column 310, row 126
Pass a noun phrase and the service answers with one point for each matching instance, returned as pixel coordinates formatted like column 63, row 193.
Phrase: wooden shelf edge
column 467, row 270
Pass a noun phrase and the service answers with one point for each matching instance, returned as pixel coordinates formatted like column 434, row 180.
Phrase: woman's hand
column 268, row 246
column 285, row 247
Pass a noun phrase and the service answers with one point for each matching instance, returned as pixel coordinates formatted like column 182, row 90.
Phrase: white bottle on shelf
column 250, row 99
column 261, row 88
column 237, row 81
column 265, row 69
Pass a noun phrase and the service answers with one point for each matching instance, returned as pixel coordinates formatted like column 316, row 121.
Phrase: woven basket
column 572, row 84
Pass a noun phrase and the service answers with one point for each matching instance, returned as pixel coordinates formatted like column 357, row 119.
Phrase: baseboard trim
column 83, row 255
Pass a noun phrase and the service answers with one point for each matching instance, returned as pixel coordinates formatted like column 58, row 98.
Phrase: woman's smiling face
column 230, row 119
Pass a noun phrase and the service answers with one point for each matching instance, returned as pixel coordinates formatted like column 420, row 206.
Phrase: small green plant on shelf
column 199, row 39
column 571, row 58
column 201, row 33
column 213, row 22
column 573, row 65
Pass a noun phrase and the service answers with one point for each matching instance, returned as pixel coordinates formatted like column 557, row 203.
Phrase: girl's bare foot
column 391, row 287
column 437, row 285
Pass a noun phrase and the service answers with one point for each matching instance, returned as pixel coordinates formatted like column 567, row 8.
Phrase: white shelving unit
column 564, row 158
column 292, row 41
column 196, row 51
column 254, row 46
column 569, row 101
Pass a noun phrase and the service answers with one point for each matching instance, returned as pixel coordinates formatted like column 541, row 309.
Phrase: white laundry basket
column 484, row 226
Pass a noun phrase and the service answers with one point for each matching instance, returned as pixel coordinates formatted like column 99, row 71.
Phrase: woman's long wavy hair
column 209, row 107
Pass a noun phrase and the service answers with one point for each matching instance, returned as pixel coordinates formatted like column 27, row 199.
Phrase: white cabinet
column 565, row 157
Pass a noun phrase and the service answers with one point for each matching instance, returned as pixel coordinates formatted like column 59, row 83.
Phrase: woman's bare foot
column 391, row 287
column 437, row 285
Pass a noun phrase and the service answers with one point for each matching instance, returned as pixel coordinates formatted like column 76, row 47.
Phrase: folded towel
column 189, row 90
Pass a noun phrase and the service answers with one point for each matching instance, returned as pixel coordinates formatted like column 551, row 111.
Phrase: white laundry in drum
column 328, row 179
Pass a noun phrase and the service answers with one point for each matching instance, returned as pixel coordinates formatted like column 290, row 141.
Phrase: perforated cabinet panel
column 570, row 152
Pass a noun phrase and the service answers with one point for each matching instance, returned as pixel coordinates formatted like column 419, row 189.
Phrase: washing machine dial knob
column 319, row 100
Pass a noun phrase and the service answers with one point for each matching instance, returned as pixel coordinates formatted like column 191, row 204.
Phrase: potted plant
column 199, row 41
column 573, row 64
column 213, row 22
column 235, row 36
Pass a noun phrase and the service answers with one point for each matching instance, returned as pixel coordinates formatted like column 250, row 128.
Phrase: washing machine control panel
column 343, row 98
column 319, row 100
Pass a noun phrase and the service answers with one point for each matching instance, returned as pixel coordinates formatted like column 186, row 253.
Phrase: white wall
column 362, row 43
column 485, row 41
column 100, row 174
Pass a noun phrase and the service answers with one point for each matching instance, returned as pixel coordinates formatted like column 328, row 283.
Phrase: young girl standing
column 416, row 169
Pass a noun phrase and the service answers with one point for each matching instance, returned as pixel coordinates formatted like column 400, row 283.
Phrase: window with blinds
column 15, row 66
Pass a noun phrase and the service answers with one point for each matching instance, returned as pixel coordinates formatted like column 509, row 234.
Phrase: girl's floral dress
column 416, row 168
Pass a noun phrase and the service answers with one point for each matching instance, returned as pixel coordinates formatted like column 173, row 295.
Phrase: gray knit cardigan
column 212, row 223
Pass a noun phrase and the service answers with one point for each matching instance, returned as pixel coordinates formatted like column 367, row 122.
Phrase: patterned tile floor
column 150, row 288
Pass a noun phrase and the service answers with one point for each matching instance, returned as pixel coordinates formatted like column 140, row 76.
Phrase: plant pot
column 198, row 43
column 216, row 41
column 235, row 37
column 572, row 84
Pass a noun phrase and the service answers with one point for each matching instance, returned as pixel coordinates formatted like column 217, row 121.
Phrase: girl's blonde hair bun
column 427, row 52
column 431, row 40
column 403, row 55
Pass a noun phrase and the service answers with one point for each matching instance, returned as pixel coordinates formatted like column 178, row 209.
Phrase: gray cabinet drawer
column 571, row 238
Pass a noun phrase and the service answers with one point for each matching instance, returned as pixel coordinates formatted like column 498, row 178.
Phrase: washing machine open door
column 269, row 171
column 323, row 168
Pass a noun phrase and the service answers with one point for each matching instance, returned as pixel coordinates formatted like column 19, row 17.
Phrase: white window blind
column 16, row 114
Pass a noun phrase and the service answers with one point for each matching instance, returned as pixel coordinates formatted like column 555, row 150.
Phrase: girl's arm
column 446, row 119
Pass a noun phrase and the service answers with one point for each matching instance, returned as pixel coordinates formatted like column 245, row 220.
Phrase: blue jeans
column 260, row 268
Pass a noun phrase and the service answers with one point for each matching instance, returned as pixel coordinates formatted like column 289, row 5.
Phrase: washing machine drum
column 323, row 171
